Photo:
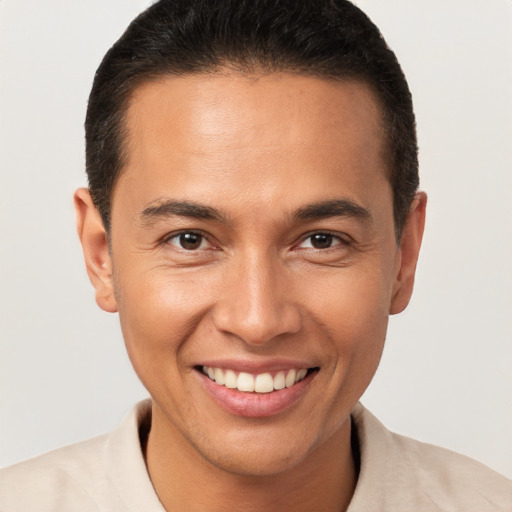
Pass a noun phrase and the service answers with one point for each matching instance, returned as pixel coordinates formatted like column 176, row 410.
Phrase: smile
column 259, row 383
column 251, row 392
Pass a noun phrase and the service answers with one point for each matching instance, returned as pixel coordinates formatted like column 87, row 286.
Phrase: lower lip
column 256, row 405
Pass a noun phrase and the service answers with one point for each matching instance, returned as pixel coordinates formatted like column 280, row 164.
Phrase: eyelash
column 169, row 238
column 342, row 240
column 204, row 238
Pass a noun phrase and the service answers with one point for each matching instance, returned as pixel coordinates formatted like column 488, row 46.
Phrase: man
column 253, row 216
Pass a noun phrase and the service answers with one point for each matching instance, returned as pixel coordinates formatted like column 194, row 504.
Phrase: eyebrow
column 162, row 209
column 165, row 208
column 332, row 208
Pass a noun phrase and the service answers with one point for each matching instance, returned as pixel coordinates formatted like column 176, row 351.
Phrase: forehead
column 192, row 133
column 243, row 107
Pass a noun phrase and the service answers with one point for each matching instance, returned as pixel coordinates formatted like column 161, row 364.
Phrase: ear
column 93, row 237
column 410, row 244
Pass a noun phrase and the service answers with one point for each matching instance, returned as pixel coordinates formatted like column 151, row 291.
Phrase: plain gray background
column 445, row 376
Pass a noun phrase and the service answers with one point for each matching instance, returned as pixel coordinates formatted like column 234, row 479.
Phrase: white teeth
column 261, row 383
column 264, row 383
column 245, row 382
column 279, row 381
column 230, row 379
column 219, row 376
column 290, row 378
column 301, row 374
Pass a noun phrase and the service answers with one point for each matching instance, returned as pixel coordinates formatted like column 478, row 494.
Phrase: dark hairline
column 328, row 39
column 141, row 80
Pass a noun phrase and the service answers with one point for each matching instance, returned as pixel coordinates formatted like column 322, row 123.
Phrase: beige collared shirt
column 108, row 473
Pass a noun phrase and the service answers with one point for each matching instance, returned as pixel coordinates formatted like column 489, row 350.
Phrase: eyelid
column 343, row 238
column 166, row 240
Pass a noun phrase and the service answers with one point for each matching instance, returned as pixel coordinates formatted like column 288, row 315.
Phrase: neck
column 324, row 481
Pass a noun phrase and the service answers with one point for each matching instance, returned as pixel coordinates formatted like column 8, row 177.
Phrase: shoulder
column 452, row 481
column 55, row 481
column 104, row 473
column 399, row 473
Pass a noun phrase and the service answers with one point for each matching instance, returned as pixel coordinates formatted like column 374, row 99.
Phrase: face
column 253, row 260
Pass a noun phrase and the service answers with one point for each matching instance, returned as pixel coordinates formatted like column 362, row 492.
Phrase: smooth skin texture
column 252, row 224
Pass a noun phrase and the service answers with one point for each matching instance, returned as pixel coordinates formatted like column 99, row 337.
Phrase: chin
column 254, row 462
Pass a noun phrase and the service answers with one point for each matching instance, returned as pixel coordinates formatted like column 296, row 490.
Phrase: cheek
column 354, row 312
column 158, row 312
column 353, row 303
column 359, row 342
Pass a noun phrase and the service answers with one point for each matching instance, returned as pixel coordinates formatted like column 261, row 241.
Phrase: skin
column 259, row 150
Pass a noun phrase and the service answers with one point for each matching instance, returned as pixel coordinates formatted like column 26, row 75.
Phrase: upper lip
column 256, row 367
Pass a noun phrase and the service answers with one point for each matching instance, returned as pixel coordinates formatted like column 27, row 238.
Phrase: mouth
column 266, row 382
column 255, row 395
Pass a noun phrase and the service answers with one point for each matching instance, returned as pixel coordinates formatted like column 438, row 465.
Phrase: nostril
column 258, row 327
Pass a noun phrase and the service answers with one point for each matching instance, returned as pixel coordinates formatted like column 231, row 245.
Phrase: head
column 328, row 39
column 253, row 220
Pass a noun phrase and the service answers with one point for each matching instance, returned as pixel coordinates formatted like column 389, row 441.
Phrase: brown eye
column 321, row 241
column 189, row 241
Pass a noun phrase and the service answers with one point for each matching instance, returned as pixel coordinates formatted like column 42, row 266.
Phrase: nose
column 255, row 303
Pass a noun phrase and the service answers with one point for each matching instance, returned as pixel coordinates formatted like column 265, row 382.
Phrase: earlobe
column 93, row 238
column 410, row 244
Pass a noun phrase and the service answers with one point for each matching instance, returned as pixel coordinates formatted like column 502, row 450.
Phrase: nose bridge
column 256, row 305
